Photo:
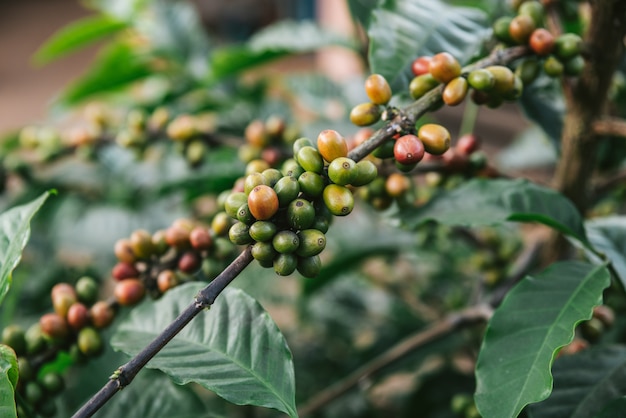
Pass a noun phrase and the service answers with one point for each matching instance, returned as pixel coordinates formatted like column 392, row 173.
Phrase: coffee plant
column 210, row 235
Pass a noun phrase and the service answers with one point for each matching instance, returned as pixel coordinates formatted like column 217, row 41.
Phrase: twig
column 610, row 126
column 438, row 330
column 126, row 373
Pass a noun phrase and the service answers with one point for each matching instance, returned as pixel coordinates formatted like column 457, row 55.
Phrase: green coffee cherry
column 262, row 231
column 312, row 242
column 528, row 70
column 309, row 267
column 365, row 114
column 33, row 393
column 300, row 214
column 516, row 92
column 504, row 78
column 342, row 171
column 534, row 9
column 286, row 242
column 501, row 29
column 52, row 383
column 384, row 150
column 366, row 171
column 311, row 184
column 567, row 46
column 35, row 340
column 244, row 215
column 14, row 337
column 253, row 180
column 292, row 168
column 239, row 234
column 321, row 223
column 301, row 143
column 87, row 290
column 574, row 66
column 553, row 67
column 287, row 189
column 285, row 264
column 272, row 176
column 310, row 160
column 264, row 251
column 338, row 199
column 233, row 203
column 481, row 79
column 421, row 85
column 89, row 342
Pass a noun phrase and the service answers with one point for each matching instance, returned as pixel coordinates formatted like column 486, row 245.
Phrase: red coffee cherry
column 467, row 144
column 420, row 65
column 200, row 238
column 189, row 262
column 54, row 326
column 102, row 314
column 129, row 292
column 408, row 149
column 63, row 296
column 123, row 271
column 78, row 316
column 542, row 42
column 167, row 280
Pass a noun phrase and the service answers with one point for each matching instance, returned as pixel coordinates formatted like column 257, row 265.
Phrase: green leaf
column 76, row 35
column 584, row 383
column 402, row 30
column 234, row 349
column 543, row 103
column 535, row 319
column 14, row 234
column 614, row 409
column 361, row 10
column 491, row 202
column 608, row 236
column 275, row 41
column 152, row 394
column 8, row 381
column 116, row 66
column 531, row 149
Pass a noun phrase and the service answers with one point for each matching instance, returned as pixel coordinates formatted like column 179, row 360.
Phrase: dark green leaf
column 275, row 41
column 234, row 349
column 8, row 381
column 614, row 409
column 608, row 236
column 76, row 35
column 535, row 319
column 402, row 30
column 14, row 234
column 152, row 394
column 116, row 66
column 361, row 10
column 543, row 103
column 584, row 383
column 491, row 202
column 531, row 149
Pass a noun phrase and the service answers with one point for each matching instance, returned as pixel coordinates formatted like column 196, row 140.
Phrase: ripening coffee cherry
column 177, row 237
column 15, row 337
column 455, row 91
column 436, row 138
column 553, row 67
column 54, row 326
column 467, row 144
column 310, row 160
column 123, row 271
column 397, row 185
column 189, row 262
column 309, row 267
column 504, row 78
column 275, row 126
column 300, row 214
column 338, row 199
column 123, row 251
column 534, row 9
column 286, row 242
column 541, row 42
column 365, row 114
column 342, row 171
column 331, row 145
column 220, row 224
column 141, row 243
column 567, row 46
column 255, row 134
column 521, row 27
column 444, row 67
column 366, row 172
column 311, row 184
column 421, row 85
column 501, row 29
column 285, row 264
column 102, row 314
column 239, row 234
column 78, row 316
column 63, row 296
column 181, row 128
column 200, row 238
column 167, row 280
column 408, row 149
column 287, row 189
column 264, row 252
column 481, row 79
column 129, row 292
column 89, row 342
column 87, row 290
column 263, row 202
column 256, row 166
column 312, row 242
column 253, row 180
column 420, row 65
column 377, row 89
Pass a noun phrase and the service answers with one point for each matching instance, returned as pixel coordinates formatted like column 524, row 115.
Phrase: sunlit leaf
column 14, row 234
column 234, row 349
column 535, row 319
column 608, row 236
column 8, row 381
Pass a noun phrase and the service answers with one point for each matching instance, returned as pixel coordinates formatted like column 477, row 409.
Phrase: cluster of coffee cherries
column 74, row 326
column 267, row 141
column 285, row 214
column 379, row 92
column 561, row 55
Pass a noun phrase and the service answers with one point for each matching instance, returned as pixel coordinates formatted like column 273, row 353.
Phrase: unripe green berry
column 285, row 264
column 87, row 290
column 26, row 369
column 504, row 78
column 365, row 114
column 15, row 337
column 286, row 242
column 501, row 29
column 264, row 251
column 51, row 382
column 233, row 203
column 262, row 230
column 300, row 214
column 253, row 180
column 481, row 79
column 221, row 223
column 239, row 234
column 309, row 267
column 421, row 85
column 310, row 159
column 89, row 342
column 574, row 66
column 195, row 152
column 312, row 242
column 534, row 9
column 272, row 176
column 301, row 143
column 516, row 92
column 256, row 166
column 35, row 340
column 338, row 199
column 321, row 223
column 553, row 67
column 311, row 184
column 528, row 70
column 567, row 46
column 384, row 150
column 366, row 171
column 292, row 168
column 342, row 171
column 244, row 215
column 33, row 393
column 287, row 189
